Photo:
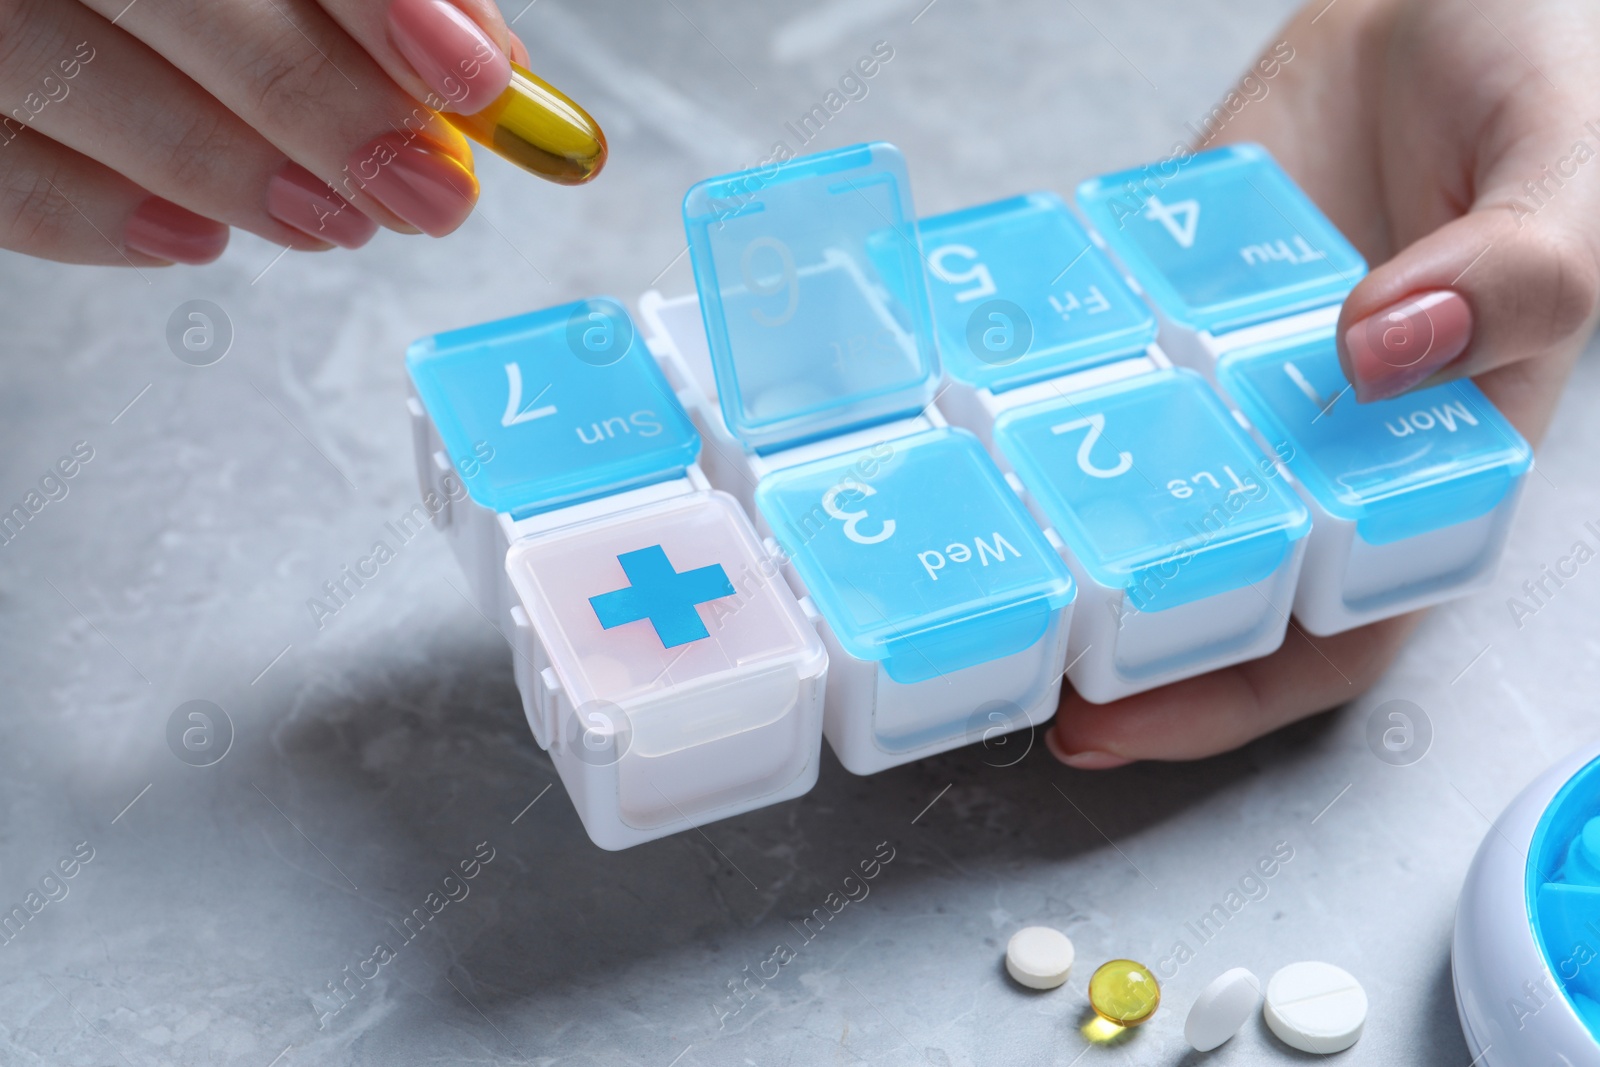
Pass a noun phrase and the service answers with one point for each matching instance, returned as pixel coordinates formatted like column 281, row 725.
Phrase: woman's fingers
column 1495, row 197
column 57, row 204
column 73, row 83
column 294, row 75
column 1222, row 710
column 1479, row 293
column 455, row 52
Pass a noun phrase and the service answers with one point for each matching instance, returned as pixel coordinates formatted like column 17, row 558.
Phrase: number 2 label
column 1096, row 425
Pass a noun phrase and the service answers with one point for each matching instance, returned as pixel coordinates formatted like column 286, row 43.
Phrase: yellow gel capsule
column 1124, row 992
column 534, row 125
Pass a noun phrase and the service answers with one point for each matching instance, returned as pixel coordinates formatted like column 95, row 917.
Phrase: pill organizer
column 887, row 481
column 1526, row 952
column 1412, row 498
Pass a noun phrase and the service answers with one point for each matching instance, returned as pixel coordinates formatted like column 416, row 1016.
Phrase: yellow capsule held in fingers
column 536, row 126
column 1124, row 992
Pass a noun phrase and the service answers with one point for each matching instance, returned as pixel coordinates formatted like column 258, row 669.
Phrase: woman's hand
column 137, row 133
column 1457, row 144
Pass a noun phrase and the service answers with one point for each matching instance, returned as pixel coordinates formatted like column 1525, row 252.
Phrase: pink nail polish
column 298, row 198
column 1405, row 344
column 1083, row 761
column 450, row 52
column 166, row 231
column 519, row 52
column 416, row 180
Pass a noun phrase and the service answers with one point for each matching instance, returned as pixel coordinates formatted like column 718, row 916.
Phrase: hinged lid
column 812, row 291
column 1222, row 239
column 1020, row 294
column 1398, row 468
column 552, row 408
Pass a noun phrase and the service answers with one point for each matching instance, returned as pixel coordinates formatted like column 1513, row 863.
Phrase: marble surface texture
column 369, row 756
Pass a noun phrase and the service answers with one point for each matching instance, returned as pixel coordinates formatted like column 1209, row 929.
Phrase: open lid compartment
column 813, row 295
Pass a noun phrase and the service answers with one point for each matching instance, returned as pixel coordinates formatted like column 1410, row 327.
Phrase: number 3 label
column 853, row 519
column 1096, row 425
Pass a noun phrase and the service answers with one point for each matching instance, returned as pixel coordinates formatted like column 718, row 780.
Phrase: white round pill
column 1039, row 957
column 1222, row 1008
column 1316, row 1007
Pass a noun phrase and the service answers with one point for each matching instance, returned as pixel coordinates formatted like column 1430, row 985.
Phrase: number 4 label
column 1180, row 219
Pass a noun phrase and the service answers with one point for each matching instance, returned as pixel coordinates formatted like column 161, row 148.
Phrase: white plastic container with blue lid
column 662, row 660
column 1526, row 954
column 536, row 413
column 944, row 608
column 1185, row 540
column 1247, row 276
column 1412, row 498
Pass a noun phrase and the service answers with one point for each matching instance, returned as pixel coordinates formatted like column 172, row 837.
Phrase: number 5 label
column 977, row 272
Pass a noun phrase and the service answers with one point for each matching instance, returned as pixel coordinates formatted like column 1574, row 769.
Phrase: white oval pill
column 1222, row 1008
column 1316, row 1007
column 1039, row 957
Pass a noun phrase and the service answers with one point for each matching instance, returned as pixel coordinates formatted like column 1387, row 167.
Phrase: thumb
column 1513, row 279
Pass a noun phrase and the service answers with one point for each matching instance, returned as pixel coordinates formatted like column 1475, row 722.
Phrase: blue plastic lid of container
column 1564, row 892
column 1397, row 468
column 552, row 408
column 1020, row 294
column 1222, row 239
column 917, row 553
column 1155, row 488
column 812, row 291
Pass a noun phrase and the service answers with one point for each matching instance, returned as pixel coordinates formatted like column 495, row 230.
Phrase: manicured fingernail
column 519, row 51
column 166, row 231
column 298, row 198
column 450, row 52
column 416, row 180
column 1405, row 344
column 1083, row 761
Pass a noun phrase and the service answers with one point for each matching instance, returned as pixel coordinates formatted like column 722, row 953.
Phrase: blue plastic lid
column 552, row 408
column 812, row 292
column 1222, row 239
column 917, row 553
column 1021, row 294
column 1564, row 892
column 1398, row 468
column 1154, row 488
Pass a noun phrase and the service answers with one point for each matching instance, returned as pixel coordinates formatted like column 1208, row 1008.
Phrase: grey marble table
column 371, row 756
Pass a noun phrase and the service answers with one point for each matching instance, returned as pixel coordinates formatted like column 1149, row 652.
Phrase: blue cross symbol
column 662, row 595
